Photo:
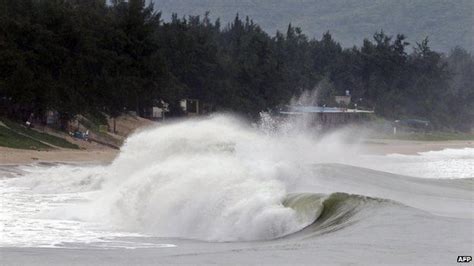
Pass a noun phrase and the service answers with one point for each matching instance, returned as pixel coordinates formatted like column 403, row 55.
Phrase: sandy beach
column 101, row 154
column 17, row 156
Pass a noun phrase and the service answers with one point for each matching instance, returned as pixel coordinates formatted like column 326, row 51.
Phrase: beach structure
column 157, row 111
column 343, row 100
column 328, row 116
column 154, row 113
column 190, row 106
column 194, row 107
column 51, row 117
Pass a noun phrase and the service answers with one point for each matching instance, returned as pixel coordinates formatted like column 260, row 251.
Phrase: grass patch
column 11, row 139
column 53, row 140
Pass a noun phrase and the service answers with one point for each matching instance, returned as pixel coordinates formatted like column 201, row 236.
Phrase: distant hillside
column 447, row 22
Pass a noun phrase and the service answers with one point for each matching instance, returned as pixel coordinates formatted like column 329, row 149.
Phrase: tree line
column 94, row 57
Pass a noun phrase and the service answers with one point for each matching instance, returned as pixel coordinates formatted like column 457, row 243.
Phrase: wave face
column 332, row 212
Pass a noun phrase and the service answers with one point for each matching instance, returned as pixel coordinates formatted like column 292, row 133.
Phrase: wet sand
column 410, row 147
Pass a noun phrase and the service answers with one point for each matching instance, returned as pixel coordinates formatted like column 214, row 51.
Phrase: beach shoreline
column 410, row 147
column 107, row 155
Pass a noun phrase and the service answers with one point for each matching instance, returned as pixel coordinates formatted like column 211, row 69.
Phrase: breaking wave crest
column 214, row 179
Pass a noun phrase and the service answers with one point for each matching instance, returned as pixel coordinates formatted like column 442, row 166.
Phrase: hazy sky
column 446, row 23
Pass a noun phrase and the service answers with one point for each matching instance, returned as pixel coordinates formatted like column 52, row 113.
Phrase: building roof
column 296, row 110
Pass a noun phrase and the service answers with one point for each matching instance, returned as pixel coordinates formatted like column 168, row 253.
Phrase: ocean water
column 218, row 190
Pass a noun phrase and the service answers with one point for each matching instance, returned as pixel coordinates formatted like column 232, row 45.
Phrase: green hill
column 447, row 23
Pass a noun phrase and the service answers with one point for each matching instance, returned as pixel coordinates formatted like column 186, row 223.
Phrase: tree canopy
column 87, row 56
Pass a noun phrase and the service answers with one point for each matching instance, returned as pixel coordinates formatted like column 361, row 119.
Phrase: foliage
column 90, row 57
